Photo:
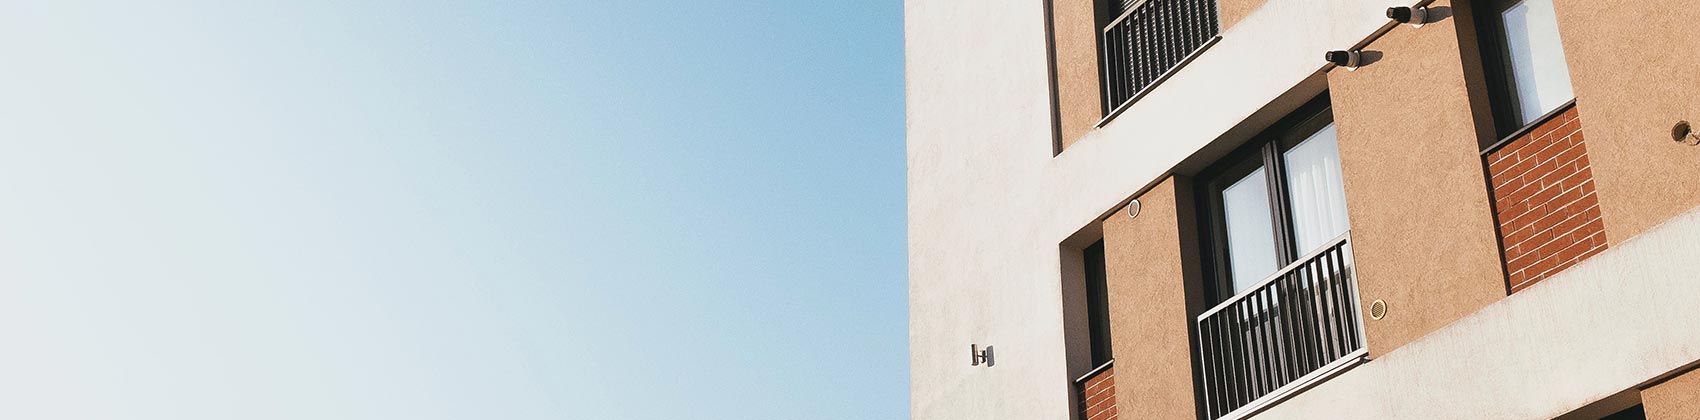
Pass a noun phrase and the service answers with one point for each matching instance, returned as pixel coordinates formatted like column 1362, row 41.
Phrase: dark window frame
column 1496, row 65
column 1097, row 303
column 1263, row 151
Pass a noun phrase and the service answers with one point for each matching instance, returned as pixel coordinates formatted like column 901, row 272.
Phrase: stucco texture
column 1152, row 290
column 1635, row 66
column 1075, row 36
column 1416, row 194
column 1674, row 399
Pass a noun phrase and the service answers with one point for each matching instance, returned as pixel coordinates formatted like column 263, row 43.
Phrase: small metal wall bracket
column 977, row 356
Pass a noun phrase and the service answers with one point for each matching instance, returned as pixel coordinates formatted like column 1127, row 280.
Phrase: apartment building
column 1304, row 209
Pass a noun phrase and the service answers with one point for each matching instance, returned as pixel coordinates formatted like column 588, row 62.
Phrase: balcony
column 1149, row 42
column 1290, row 330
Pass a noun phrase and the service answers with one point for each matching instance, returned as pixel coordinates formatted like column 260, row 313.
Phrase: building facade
column 1304, row 209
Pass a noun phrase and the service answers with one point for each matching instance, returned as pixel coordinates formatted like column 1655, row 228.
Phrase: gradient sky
column 452, row 209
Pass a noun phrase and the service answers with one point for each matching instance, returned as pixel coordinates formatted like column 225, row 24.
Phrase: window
column 1633, row 413
column 1097, row 303
column 1275, row 200
column 1525, row 60
column 1280, row 265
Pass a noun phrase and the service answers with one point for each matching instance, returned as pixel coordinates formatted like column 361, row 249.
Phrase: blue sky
column 435, row 209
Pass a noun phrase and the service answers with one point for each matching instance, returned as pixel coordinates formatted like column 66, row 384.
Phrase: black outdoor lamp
column 1347, row 59
column 1414, row 16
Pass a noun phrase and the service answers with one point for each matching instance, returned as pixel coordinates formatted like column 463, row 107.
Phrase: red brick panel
column 1098, row 396
column 1543, row 193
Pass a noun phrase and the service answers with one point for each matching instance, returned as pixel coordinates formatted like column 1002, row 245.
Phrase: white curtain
column 1318, row 195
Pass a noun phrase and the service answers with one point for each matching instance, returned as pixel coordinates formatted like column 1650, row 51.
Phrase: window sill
column 1531, row 126
column 1159, row 82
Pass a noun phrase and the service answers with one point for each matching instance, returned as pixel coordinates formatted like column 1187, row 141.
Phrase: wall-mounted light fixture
column 1415, row 17
column 1133, row 208
column 1348, row 59
column 977, row 356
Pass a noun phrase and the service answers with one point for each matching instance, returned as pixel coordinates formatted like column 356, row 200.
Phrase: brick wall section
column 1543, row 192
column 1098, row 396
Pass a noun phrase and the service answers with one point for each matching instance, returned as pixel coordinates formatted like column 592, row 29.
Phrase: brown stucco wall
column 1074, row 35
column 1151, row 263
column 1634, row 67
column 1422, row 230
column 1232, row 11
column 1674, row 399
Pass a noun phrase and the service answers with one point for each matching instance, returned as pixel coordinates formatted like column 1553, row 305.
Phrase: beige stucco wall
column 1675, row 399
column 989, row 203
column 1153, row 287
column 1633, row 65
column 1422, row 230
column 1075, row 32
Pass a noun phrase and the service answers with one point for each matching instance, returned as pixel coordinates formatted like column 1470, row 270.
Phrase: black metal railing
column 1300, row 322
column 1142, row 46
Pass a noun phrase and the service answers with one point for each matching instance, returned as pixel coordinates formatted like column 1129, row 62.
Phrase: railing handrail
column 1330, row 245
column 1094, row 372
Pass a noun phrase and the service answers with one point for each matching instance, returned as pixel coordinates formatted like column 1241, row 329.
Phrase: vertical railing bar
column 1293, row 354
column 1278, row 326
column 1357, row 302
column 1104, row 70
column 1325, row 310
column 1313, row 335
column 1128, row 57
column 1142, row 27
column 1267, row 327
column 1340, row 301
column 1222, row 355
column 1311, row 308
column 1288, row 313
column 1234, row 359
column 1231, row 381
column 1261, row 352
column 1207, row 378
column 1119, row 48
column 1168, row 33
column 1254, row 354
column 1349, row 298
column 1329, row 316
column 1248, row 329
column 1205, row 345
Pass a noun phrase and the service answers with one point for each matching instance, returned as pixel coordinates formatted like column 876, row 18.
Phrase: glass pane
column 1251, row 232
column 1318, row 195
column 1539, row 76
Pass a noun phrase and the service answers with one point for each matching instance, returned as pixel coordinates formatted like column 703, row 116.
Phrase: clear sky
column 452, row 209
